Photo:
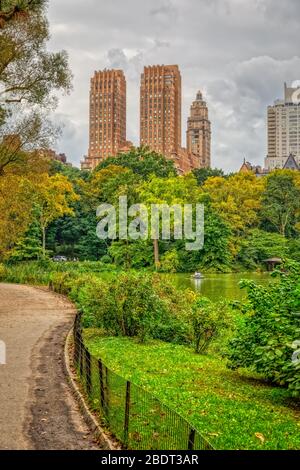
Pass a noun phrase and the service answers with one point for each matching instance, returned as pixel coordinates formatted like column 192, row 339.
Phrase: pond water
column 219, row 286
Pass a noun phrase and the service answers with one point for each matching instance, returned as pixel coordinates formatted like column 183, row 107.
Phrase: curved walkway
column 37, row 410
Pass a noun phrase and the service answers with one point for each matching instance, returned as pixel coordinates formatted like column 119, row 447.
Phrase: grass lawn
column 233, row 410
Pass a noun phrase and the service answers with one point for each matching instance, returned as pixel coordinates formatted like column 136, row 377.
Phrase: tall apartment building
column 107, row 135
column 284, row 130
column 198, row 140
column 160, row 109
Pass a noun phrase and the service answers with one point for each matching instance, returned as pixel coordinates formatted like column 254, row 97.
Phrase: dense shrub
column 2, row 272
column 41, row 272
column 175, row 326
column 92, row 298
column 170, row 262
column 209, row 320
column 134, row 305
column 294, row 249
column 62, row 282
column 26, row 273
column 265, row 338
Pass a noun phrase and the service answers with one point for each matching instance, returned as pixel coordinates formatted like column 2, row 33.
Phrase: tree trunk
column 44, row 241
column 156, row 253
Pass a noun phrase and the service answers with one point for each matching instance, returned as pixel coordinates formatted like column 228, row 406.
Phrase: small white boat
column 197, row 276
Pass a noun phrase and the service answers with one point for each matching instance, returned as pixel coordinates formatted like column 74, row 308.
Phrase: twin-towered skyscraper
column 160, row 118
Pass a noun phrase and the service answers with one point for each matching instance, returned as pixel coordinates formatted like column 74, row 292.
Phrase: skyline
column 160, row 118
column 240, row 63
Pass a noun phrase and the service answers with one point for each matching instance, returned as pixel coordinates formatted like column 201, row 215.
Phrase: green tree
column 71, row 172
column 30, row 76
column 202, row 174
column 28, row 247
column 131, row 254
column 143, row 162
column 18, row 10
column 216, row 253
column 258, row 246
column 75, row 236
column 109, row 184
column 173, row 190
column 281, row 202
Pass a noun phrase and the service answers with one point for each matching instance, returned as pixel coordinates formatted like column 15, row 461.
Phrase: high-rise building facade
column 160, row 109
column 199, row 132
column 107, row 134
column 284, row 130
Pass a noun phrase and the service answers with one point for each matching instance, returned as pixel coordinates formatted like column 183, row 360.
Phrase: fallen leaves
column 261, row 437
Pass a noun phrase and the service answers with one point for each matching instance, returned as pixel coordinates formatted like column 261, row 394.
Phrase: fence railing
column 134, row 416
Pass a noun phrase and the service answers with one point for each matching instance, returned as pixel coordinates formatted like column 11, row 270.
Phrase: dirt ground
column 37, row 408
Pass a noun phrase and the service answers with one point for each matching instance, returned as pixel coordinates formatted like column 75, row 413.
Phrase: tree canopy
column 30, row 78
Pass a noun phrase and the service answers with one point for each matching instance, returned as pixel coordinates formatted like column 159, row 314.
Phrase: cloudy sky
column 238, row 52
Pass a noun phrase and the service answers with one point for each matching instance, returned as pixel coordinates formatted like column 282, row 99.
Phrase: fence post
column 88, row 371
column 191, row 443
column 102, row 394
column 81, row 349
column 127, row 411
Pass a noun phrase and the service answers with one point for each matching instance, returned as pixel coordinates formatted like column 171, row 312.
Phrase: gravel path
column 37, row 409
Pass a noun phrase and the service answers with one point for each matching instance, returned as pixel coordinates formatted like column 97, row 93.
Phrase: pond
column 219, row 286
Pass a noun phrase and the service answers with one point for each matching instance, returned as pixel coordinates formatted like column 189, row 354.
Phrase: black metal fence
column 133, row 415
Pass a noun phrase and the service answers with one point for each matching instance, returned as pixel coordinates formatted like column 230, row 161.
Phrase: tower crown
column 199, row 132
column 199, row 96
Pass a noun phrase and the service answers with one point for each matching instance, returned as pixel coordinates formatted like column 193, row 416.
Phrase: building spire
column 199, row 132
column 199, row 96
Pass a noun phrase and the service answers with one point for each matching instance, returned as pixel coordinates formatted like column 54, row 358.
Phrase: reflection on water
column 219, row 286
column 196, row 284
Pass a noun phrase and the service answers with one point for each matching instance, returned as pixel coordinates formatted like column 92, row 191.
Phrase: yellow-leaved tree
column 15, row 210
column 53, row 196
column 237, row 199
column 173, row 190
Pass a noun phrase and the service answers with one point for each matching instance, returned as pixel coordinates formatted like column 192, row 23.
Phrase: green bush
column 131, row 304
column 106, row 259
column 294, row 249
column 26, row 273
column 93, row 298
column 170, row 262
column 209, row 320
column 2, row 272
column 62, row 282
column 265, row 338
column 41, row 272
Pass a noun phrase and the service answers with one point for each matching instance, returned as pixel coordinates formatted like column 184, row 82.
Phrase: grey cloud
column 159, row 43
column 275, row 10
column 165, row 10
column 117, row 58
